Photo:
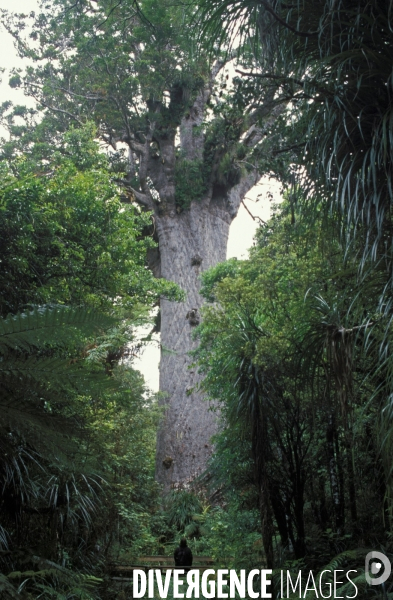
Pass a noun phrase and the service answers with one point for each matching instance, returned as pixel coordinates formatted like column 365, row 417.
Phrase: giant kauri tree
column 182, row 151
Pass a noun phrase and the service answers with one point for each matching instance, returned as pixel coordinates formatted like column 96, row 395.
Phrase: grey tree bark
column 189, row 243
column 190, row 240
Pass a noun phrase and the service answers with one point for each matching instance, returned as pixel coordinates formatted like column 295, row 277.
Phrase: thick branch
column 143, row 199
column 216, row 68
column 142, row 151
column 133, row 195
column 191, row 144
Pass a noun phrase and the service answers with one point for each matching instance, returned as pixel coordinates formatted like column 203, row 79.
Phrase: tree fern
column 43, row 371
column 45, row 325
column 38, row 371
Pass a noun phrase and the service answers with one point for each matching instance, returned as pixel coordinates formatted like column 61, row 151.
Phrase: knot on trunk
column 196, row 260
column 154, row 150
column 167, row 462
column 193, row 317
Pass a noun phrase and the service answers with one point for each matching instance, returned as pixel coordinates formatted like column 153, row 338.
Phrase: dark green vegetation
column 295, row 342
column 298, row 347
column 65, row 235
column 178, row 147
column 291, row 350
column 77, row 429
column 135, row 71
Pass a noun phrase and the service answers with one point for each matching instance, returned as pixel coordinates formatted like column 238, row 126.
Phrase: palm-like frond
column 223, row 20
column 7, row 590
column 37, row 371
column 52, row 581
column 41, row 371
column 58, row 325
column 44, row 374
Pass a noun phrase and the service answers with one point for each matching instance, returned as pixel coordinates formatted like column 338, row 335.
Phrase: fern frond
column 49, row 324
column 52, row 582
column 59, row 372
column 47, row 433
column 344, row 557
column 36, row 389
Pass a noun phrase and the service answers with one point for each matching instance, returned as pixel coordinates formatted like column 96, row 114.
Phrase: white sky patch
column 9, row 58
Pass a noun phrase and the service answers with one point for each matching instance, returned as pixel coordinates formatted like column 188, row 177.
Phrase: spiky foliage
column 42, row 372
column 77, row 426
column 48, row 581
column 331, row 62
column 182, row 506
column 286, row 358
column 37, row 370
column 324, row 581
column 77, row 437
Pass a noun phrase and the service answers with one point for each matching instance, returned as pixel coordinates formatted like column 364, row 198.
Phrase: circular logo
column 375, row 568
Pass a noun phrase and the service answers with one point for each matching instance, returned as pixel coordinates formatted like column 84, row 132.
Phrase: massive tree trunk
column 191, row 239
column 189, row 243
